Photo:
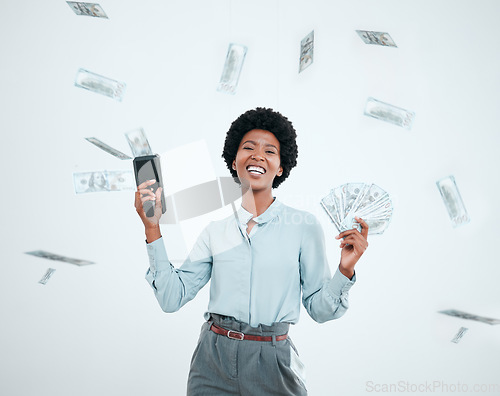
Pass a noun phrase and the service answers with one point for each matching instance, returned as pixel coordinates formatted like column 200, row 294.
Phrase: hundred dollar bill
column 365, row 200
column 459, row 335
column 377, row 221
column 306, row 51
column 468, row 316
column 138, row 143
column 56, row 257
column 47, row 276
column 88, row 9
column 389, row 113
column 232, row 68
column 453, row 201
column 377, row 38
column 331, row 208
column 100, row 84
column 103, row 181
column 108, row 149
column 338, row 197
column 121, row 180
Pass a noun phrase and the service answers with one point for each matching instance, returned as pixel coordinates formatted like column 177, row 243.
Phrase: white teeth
column 256, row 169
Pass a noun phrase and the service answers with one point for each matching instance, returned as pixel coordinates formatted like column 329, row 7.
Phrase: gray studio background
column 98, row 330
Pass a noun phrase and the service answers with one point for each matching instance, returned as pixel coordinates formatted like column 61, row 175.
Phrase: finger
column 357, row 241
column 146, row 184
column 139, row 206
column 347, row 241
column 364, row 226
column 346, row 245
column 137, row 201
column 350, row 239
column 158, row 193
column 356, row 238
column 158, row 208
column 346, row 233
column 146, row 191
column 148, row 198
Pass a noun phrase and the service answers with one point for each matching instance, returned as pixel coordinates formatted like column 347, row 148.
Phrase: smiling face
column 258, row 160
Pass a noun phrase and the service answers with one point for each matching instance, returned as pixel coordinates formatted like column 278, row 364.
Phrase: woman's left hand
column 353, row 246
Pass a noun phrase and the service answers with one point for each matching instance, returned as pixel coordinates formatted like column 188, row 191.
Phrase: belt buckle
column 235, row 335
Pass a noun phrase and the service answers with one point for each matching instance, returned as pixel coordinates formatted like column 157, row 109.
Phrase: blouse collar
column 244, row 216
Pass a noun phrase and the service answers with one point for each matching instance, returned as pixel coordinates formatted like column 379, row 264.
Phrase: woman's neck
column 257, row 202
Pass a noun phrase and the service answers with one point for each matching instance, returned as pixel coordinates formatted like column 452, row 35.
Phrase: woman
column 262, row 261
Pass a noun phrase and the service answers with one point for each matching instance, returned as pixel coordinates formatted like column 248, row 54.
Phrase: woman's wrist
column 347, row 272
column 152, row 233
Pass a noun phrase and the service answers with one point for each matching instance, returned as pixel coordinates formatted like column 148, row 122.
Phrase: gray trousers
column 222, row 366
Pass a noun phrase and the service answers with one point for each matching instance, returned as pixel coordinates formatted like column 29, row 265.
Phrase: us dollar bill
column 377, row 38
column 121, row 180
column 468, row 316
column 56, row 257
column 103, row 181
column 365, row 200
column 453, row 201
column 306, row 52
column 47, row 276
column 352, row 193
column 332, row 209
column 138, row 142
column 87, row 9
column 232, row 68
column 108, row 149
column 99, row 84
column 389, row 113
column 459, row 335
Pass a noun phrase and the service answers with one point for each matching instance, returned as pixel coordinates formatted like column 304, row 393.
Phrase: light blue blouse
column 257, row 278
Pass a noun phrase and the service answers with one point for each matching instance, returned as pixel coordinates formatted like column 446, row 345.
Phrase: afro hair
column 268, row 120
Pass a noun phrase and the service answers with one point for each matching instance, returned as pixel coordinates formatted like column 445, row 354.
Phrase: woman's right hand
column 143, row 194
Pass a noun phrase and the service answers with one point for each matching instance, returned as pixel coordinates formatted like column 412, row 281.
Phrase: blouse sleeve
column 324, row 297
column 174, row 287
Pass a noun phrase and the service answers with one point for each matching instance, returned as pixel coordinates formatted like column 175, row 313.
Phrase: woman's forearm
column 153, row 233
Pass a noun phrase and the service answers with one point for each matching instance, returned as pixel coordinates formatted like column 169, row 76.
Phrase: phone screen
column 147, row 168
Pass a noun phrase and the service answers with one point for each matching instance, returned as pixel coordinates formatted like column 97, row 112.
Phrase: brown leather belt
column 236, row 335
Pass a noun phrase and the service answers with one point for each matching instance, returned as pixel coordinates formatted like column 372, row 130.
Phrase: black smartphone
column 146, row 168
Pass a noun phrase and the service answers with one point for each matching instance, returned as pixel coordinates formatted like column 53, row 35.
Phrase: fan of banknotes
column 365, row 200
